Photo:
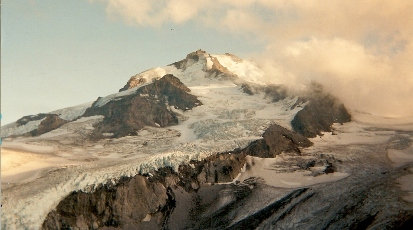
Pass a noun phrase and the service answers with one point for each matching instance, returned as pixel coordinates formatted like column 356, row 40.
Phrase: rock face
column 140, row 202
column 277, row 139
column 194, row 197
column 201, row 58
column 52, row 121
column 319, row 114
column 219, row 71
column 190, row 59
column 134, row 203
column 133, row 82
column 218, row 168
column 273, row 92
column 148, row 201
column 216, row 71
column 172, row 90
column 146, row 107
column 169, row 200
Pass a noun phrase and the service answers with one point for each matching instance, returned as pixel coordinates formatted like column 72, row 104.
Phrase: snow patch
column 401, row 157
column 264, row 168
column 87, row 119
column 104, row 100
column 13, row 129
column 244, row 69
column 352, row 133
column 151, row 74
column 71, row 113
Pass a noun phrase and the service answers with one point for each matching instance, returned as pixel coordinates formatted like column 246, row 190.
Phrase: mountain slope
column 146, row 106
column 203, row 71
column 211, row 139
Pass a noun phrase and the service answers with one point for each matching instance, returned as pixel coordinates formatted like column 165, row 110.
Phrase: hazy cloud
column 362, row 51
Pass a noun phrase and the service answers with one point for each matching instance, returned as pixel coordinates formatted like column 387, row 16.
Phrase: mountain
column 204, row 73
column 205, row 143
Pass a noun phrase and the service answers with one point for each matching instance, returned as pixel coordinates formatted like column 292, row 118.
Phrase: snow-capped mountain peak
column 164, row 117
column 199, row 66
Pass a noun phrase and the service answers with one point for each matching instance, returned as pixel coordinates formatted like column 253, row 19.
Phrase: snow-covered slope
column 246, row 70
column 68, row 159
column 199, row 67
column 228, row 119
column 198, row 70
column 68, row 114
column 15, row 129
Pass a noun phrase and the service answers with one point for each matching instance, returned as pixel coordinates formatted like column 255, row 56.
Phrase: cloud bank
column 361, row 51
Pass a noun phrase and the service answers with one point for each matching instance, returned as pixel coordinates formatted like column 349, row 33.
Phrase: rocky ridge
column 210, row 65
column 277, row 139
column 320, row 110
column 319, row 114
column 51, row 122
column 148, row 201
column 186, row 193
column 199, row 196
column 147, row 106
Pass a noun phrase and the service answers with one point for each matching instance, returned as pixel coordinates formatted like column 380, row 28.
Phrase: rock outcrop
column 194, row 197
column 146, row 201
column 143, row 201
column 190, row 59
column 134, row 81
column 145, row 107
column 171, row 90
column 134, row 203
column 321, row 109
column 52, row 121
column 216, row 71
column 277, row 139
column 199, row 57
column 174, row 200
column 274, row 93
column 319, row 115
column 219, row 71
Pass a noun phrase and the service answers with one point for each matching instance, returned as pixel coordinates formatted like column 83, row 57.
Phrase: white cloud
column 363, row 81
column 360, row 50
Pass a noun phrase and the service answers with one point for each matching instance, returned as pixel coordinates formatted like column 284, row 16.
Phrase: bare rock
column 133, row 82
column 319, row 114
column 277, row 139
column 146, row 107
column 123, row 205
column 52, row 121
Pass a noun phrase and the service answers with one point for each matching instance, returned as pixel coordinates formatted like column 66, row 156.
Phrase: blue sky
column 57, row 54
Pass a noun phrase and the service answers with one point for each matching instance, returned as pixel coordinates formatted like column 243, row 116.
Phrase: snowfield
column 13, row 129
column 264, row 168
column 35, row 176
column 37, row 172
column 69, row 114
